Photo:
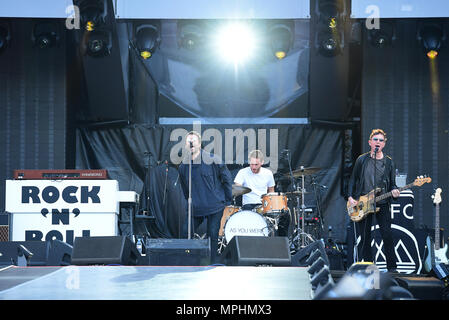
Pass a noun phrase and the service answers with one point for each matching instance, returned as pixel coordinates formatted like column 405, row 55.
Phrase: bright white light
column 235, row 42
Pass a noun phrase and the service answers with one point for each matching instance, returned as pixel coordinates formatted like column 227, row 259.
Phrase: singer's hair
column 195, row 134
column 256, row 154
column 376, row 132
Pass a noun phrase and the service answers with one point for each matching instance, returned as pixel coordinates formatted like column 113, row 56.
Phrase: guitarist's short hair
column 376, row 132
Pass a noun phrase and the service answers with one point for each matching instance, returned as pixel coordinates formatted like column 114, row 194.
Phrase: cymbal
column 305, row 172
column 239, row 190
column 294, row 193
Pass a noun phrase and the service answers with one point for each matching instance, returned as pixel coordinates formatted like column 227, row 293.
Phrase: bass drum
column 246, row 223
column 227, row 212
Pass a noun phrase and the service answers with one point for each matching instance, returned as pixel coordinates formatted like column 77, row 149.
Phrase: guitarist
column 367, row 166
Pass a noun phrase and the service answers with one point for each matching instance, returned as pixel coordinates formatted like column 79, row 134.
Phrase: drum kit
column 264, row 220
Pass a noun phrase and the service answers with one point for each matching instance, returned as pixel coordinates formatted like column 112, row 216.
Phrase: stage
column 154, row 283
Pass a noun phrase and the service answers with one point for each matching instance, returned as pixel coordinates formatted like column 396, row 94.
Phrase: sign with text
column 407, row 246
column 62, row 209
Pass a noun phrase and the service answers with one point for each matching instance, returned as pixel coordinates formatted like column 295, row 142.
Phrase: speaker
column 254, row 251
column 336, row 259
column 4, row 227
column 299, row 259
column 104, row 250
column 4, row 233
column 178, row 252
column 35, row 253
column 423, row 288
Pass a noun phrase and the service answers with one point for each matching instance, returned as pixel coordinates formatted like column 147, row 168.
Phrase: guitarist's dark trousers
column 364, row 230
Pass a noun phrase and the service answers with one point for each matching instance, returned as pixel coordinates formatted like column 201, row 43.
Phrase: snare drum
column 246, row 223
column 227, row 212
column 274, row 203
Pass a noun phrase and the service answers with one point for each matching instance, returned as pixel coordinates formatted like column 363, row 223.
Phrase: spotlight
column 235, row 42
column 147, row 40
column 321, row 277
column 99, row 43
column 328, row 43
column 190, row 35
column 382, row 37
column 280, row 37
column 93, row 13
column 431, row 36
column 432, row 54
column 5, row 37
column 45, row 35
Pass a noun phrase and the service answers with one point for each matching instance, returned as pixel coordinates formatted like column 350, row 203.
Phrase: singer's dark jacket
column 211, row 184
column 356, row 181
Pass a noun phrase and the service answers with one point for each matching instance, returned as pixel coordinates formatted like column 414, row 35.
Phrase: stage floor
column 155, row 283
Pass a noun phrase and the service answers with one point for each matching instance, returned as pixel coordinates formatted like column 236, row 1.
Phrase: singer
column 210, row 189
column 374, row 169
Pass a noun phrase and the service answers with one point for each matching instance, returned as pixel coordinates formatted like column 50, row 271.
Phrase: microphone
column 191, row 144
column 376, row 149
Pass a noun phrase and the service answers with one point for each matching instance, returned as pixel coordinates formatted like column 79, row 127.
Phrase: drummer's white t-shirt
column 257, row 182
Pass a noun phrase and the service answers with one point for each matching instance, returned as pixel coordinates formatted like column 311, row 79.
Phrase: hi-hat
column 305, row 171
column 239, row 190
column 297, row 192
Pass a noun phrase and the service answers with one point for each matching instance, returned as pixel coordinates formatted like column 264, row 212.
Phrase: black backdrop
column 132, row 153
column 404, row 97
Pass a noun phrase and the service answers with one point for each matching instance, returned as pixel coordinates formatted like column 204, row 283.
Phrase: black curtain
column 138, row 157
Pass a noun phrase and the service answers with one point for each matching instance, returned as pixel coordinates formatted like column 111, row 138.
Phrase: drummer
column 260, row 180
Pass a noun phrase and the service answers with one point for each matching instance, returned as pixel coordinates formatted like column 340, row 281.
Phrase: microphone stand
column 147, row 183
column 317, row 190
column 375, row 173
column 164, row 201
column 303, row 207
column 290, row 169
column 189, row 201
column 298, row 230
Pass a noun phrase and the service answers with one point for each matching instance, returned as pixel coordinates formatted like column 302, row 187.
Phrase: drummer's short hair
column 256, row 154
column 195, row 133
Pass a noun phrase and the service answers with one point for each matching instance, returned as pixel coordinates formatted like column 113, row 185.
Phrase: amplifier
column 30, row 174
column 4, row 227
column 178, row 252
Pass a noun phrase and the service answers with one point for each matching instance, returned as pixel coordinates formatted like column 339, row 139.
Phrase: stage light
column 432, row 37
column 364, row 281
column 280, row 37
column 99, row 43
column 328, row 43
column 382, row 37
column 147, row 40
column 4, row 37
column 190, row 35
column 235, row 42
column 316, row 266
column 432, row 54
column 329, row 37
column 321, row 277
column 93, row 13
column 45, row 35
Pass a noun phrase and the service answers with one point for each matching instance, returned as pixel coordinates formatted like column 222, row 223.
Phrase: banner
column 44, row 210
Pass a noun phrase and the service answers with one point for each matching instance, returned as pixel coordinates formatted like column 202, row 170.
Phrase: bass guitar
column 366, row 203
column 435, row 254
